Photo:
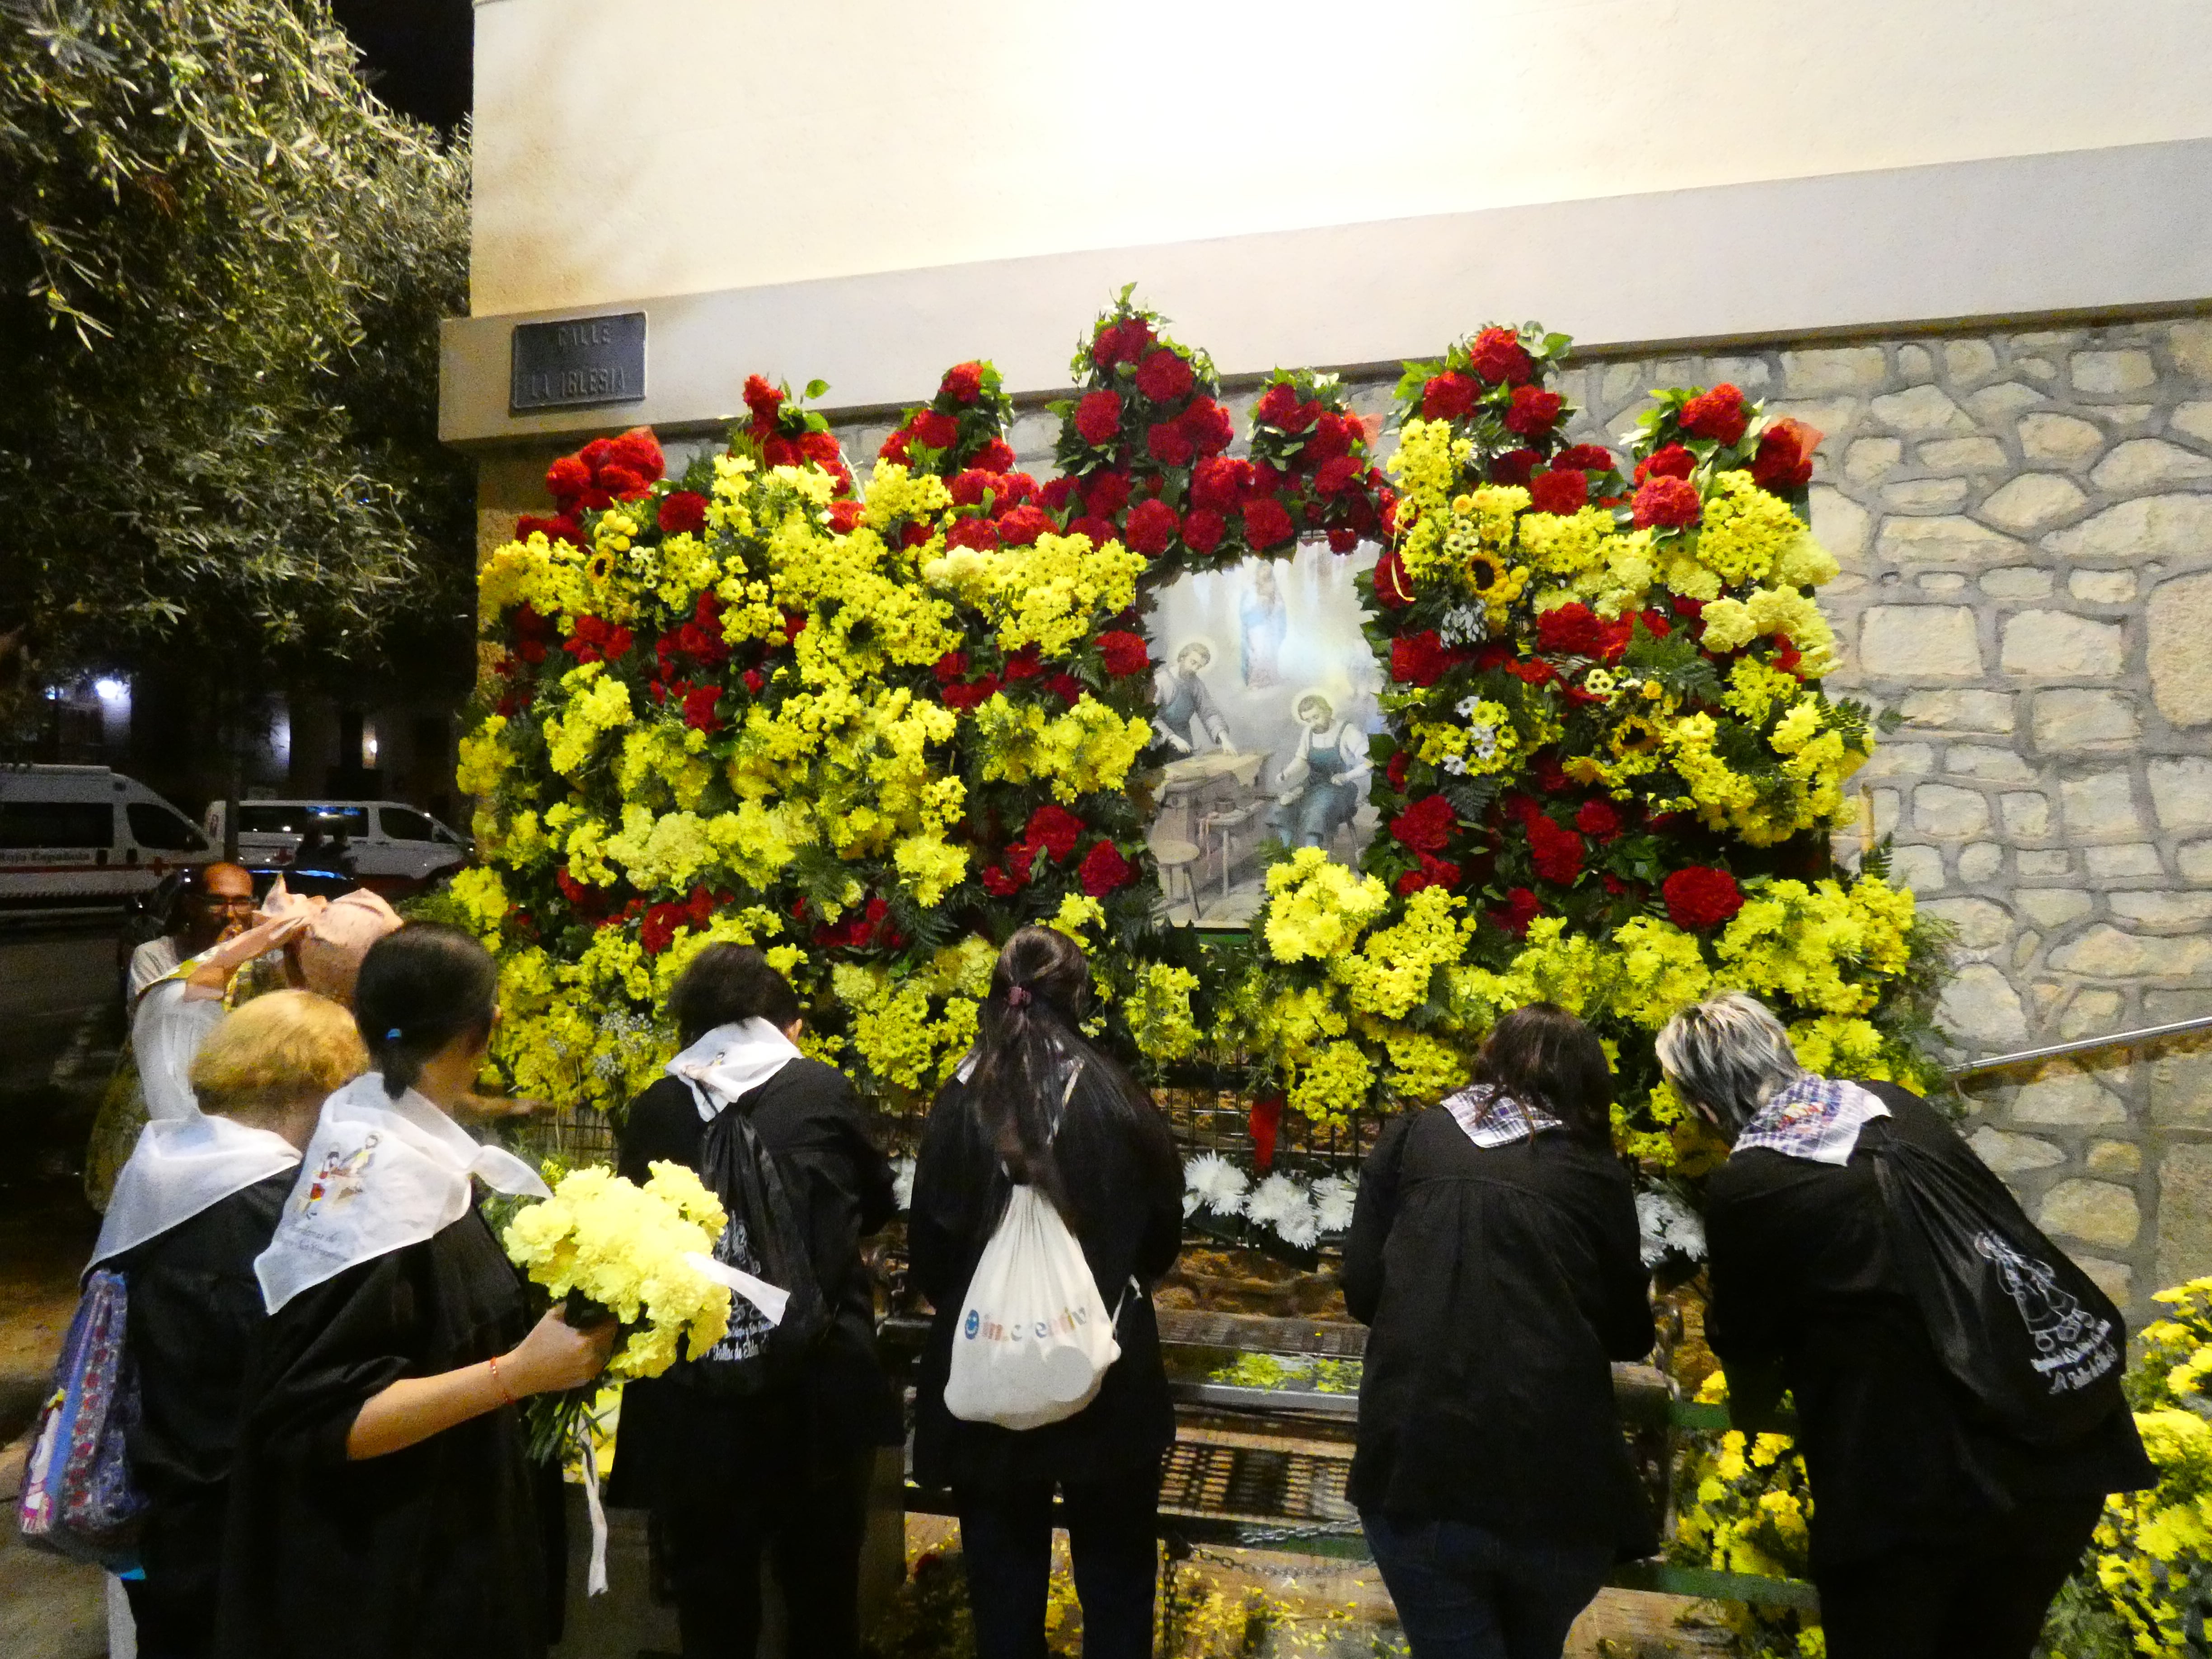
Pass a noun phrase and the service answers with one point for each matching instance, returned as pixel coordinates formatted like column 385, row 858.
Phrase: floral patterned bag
column 78, row 1498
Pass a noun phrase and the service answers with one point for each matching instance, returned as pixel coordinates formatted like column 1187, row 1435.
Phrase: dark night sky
column 417, row 54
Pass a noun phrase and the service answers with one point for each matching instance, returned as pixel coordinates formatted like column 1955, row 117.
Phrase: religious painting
column 1268, row 694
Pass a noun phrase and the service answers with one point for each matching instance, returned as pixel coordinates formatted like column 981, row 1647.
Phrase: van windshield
column 56, row 823
column 291, row 818
column 156, row 826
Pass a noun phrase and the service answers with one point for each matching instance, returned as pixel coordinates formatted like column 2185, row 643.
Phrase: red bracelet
column 496, row 1384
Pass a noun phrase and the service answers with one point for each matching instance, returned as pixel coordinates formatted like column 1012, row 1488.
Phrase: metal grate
column 1252, row 1483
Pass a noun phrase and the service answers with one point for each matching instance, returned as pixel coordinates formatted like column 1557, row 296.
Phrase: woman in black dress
column 786, row 1469
column 1494, row 1253
column 193, row 1208
column 1936, row 1534
column 1035, row 1103
column 381, row 1502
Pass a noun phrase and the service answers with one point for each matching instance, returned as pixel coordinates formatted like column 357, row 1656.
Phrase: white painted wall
column 634, row 147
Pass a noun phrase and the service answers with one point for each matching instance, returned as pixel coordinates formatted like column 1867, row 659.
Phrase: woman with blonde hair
column 196, row 1203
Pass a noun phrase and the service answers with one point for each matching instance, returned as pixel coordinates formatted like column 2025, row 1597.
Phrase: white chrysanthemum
column 902, row 1184
column 1482, row 741
column 1456, row 764
column 1669, row 1227
column 1334, row 1198
column 1211, row 1180
column 1281, row 1203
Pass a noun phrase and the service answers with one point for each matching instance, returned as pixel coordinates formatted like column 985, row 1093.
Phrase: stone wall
column 2024, row 523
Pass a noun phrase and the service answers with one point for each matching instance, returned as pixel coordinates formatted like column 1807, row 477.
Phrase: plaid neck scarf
column 1491, row 1118
column 1815, row 1118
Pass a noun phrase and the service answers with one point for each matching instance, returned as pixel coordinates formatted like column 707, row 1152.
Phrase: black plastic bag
column 2022, row 1329
column 766, row 1237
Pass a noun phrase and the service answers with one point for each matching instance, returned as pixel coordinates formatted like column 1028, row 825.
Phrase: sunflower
column 1485, row 570
column 1635, row 736
column 599, row 567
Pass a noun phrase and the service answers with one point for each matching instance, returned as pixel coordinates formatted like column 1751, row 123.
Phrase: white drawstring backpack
column 1034, row 1338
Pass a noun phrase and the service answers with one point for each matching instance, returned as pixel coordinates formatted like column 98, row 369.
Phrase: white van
column 385, row 840
column 76, row 839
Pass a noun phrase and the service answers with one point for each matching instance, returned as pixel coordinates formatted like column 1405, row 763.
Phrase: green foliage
column 222, row 267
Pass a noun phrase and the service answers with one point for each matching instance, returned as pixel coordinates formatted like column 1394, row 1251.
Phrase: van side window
column 56, row 824
column 402, row 824
column 156, row 826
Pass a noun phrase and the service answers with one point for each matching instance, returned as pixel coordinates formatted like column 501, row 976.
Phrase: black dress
column 787, row 1470
column 1806, row 1295
column 436, row 1550
column 1125, row 1188
column 1499, row 1282
column 194, row 1310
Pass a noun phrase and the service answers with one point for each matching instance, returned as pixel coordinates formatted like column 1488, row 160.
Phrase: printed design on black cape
column 2073, row 1345
column 750, row 1328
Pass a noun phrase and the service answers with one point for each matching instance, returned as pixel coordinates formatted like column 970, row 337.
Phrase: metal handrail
column 2082, row 1045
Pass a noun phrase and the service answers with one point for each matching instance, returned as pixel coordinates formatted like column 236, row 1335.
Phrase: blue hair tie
column 392, row 1035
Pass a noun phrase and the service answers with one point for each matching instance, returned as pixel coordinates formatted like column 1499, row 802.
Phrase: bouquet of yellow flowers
column 614, row 1249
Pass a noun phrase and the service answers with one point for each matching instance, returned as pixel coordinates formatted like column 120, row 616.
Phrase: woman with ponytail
column 1035, row 1102
column 382, row 1504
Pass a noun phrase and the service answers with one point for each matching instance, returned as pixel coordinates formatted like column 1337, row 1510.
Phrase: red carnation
column 821, row 448
column 1720, row 414
column 1426, row 825
column 1208, row 425
column 1785, row 460
column 1098, row 418
column 1700, row 897
column 756, row 682
column 1332, row 437
column 1418, row 658
column 779, row 451
column 979, row 534
column 928, row 426
column 1672, row 462
column 1277, row 404
column 1393, row 589
column 1447, row 397
column 1055, row 829
column 658, row 931
column 1103, row 869
column 1055, row 496
column 1066, row 688
column 1267, row 526
column 1499, row 356
column 639, row 451
column 1151, row 529
column 562, row 528
column 1395, row 771
column 896, row 447
column 962, row 383
column 1203, row 529
column 682, row 511
column 1433, row 872
column 1556, row 852
column 960, row 694
column 1572, row 630
column 998, row 884
column 969, row 487
column 1166, row 443
column 1106, row 494
column 1221, row 483
column 1026, row 663
column 1336, row 475
column 1666, row 504
column 764, row 400
column 1022, row 525
column 1533, row 413
column 1514, row 467
column 1124, row 653
column 951, row 666
column 1122, row 344
column 1598, row 819
column 1521, row 907
column 1164, row 376
column 845, row 517
column 1100, row 530
column 620, row 481
column 1560, row 490
column 566, row 479
column 1585, row 458
column 699, row 708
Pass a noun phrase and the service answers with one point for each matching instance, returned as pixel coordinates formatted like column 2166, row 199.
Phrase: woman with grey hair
column 1937, row 1530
